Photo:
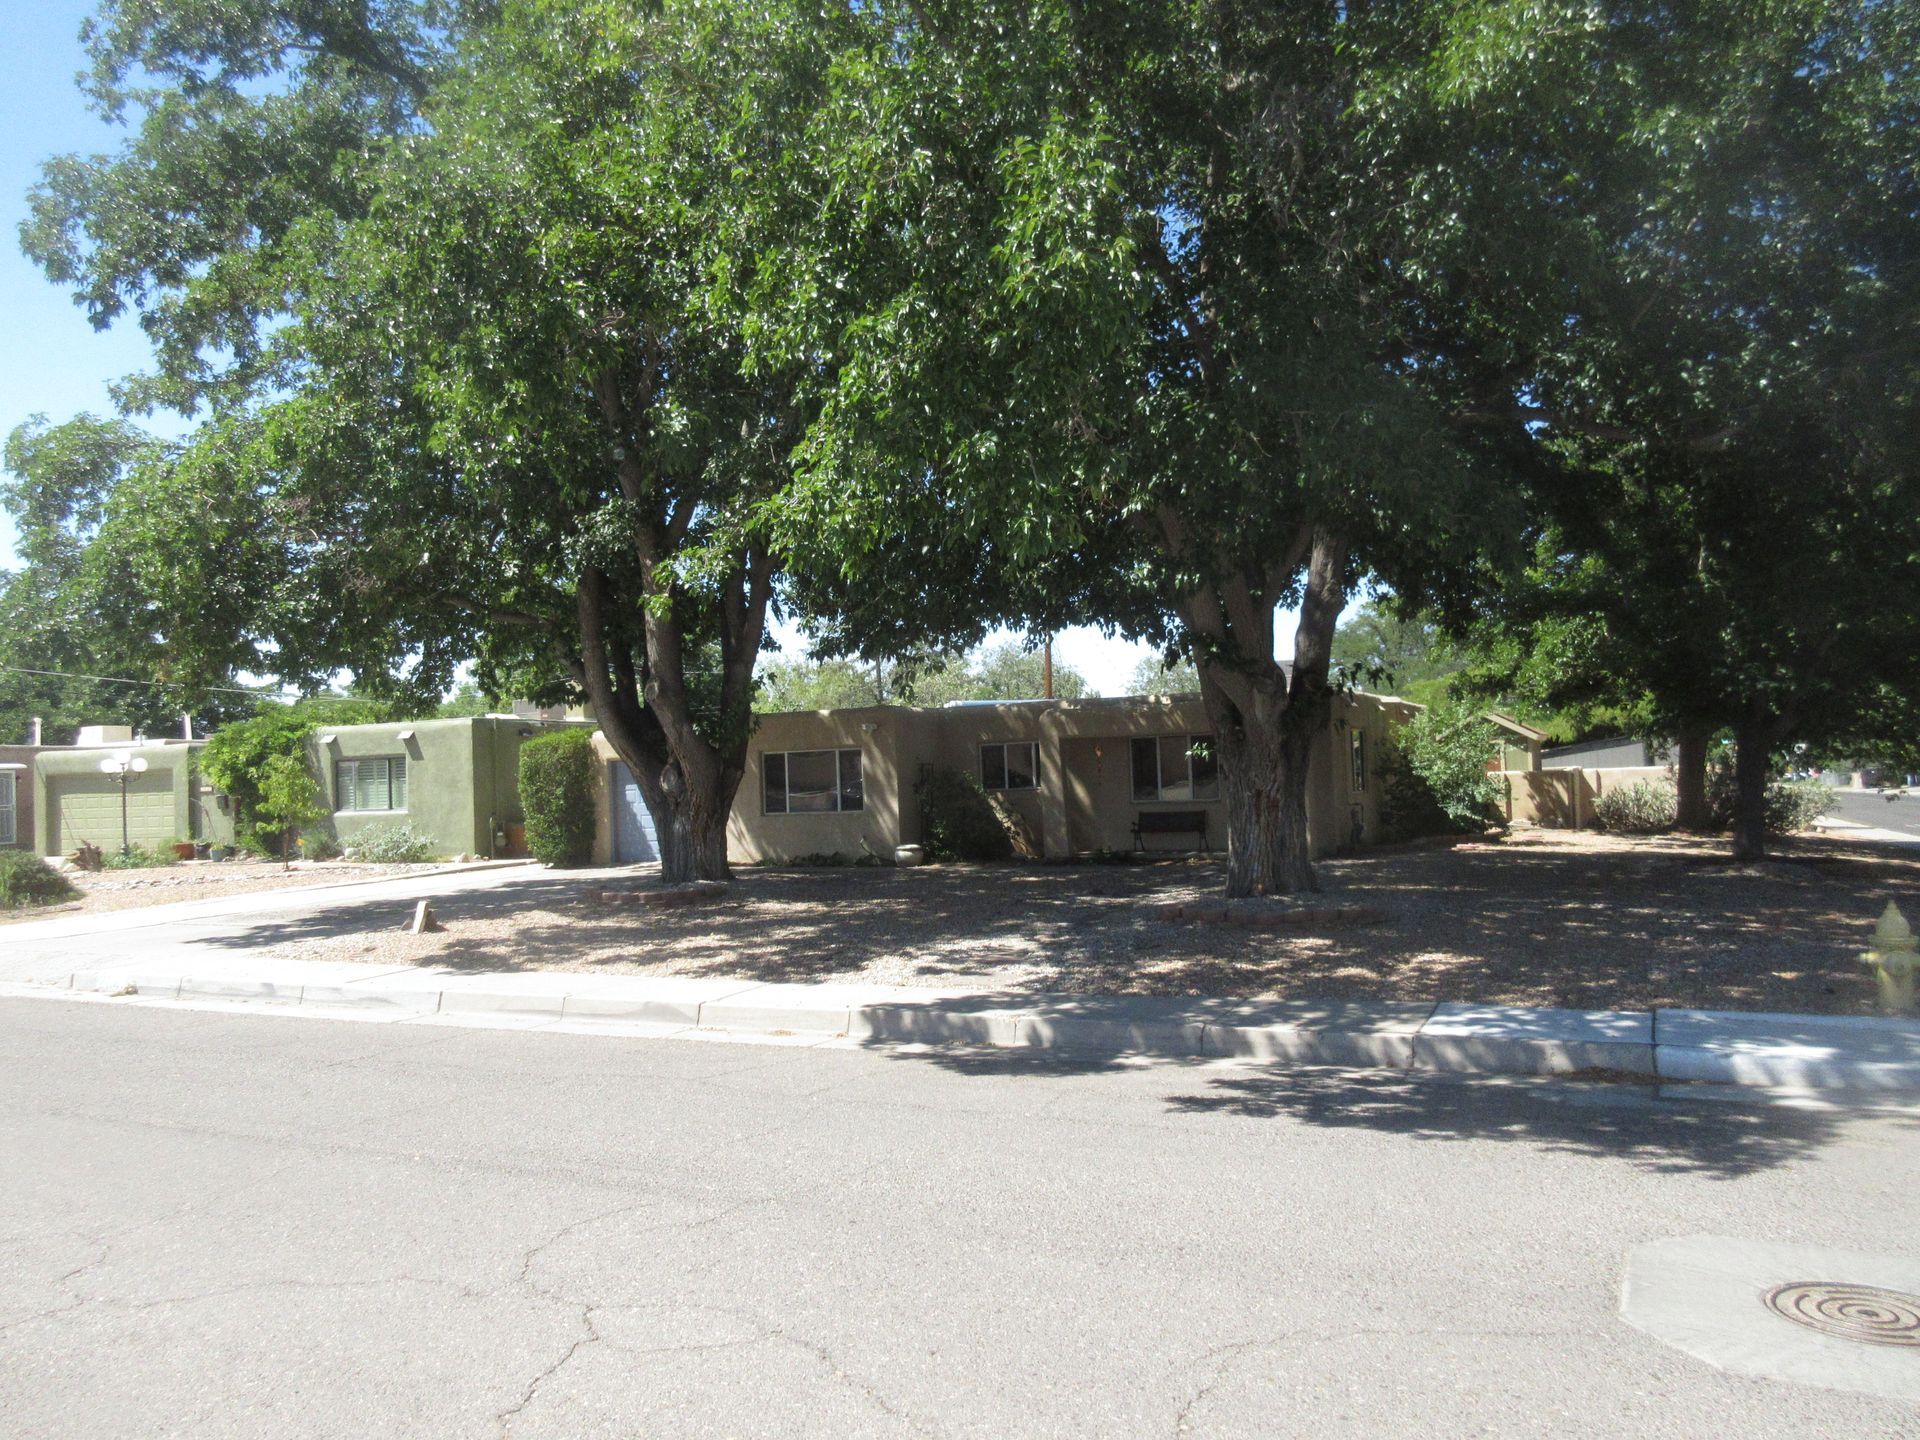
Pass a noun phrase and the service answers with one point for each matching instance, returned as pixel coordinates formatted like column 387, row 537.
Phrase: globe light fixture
column 122, row 766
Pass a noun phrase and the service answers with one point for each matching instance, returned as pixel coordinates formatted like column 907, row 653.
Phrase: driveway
column 220, row 1225
column 215, row 934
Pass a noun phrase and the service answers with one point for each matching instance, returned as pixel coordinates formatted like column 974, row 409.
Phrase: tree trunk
column 1752, row 761
column 1265, row 716
column 1263, row 775
column 1690, row 778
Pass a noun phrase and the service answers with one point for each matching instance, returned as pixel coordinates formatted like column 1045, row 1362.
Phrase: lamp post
column 122, row 767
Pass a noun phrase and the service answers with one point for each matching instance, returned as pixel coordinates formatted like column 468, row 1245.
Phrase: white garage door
column 86, row 810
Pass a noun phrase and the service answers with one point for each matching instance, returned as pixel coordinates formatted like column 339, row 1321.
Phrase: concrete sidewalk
column 1782, row 1052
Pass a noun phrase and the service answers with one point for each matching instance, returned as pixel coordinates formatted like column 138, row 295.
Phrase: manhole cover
column 1867, row 1313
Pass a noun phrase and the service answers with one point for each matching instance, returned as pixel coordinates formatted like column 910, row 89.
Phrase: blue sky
column 52, row 361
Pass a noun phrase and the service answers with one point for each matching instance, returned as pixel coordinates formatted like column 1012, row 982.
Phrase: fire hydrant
column 1894, row 959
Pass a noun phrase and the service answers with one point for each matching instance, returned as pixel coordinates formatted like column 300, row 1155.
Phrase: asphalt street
column 249, row 1225
column 1899, row 812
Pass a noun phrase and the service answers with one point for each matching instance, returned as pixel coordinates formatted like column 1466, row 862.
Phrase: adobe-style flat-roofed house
column 455, row 782
column 1081, row 775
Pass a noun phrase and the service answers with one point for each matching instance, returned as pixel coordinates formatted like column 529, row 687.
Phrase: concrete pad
column 1704, row 1294
column 1309, row 1032
column 1529, row 1040
column 1867, row 1053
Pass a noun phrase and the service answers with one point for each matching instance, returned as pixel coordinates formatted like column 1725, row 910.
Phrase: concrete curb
column 1800, row 1053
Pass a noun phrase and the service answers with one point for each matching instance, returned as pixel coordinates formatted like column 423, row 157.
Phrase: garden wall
column 1562, row 799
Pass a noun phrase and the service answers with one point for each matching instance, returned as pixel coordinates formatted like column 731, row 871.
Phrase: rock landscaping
column 1548, row 918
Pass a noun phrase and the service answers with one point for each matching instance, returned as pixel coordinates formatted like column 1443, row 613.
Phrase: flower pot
column 909, row 855
column 183, row 850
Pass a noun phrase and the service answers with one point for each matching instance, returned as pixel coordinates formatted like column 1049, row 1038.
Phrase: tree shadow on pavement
column 1620, row 1122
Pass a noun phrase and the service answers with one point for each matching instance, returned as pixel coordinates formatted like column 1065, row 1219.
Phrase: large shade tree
column 1729, row 397
column 1146, row 343
column 450, row 267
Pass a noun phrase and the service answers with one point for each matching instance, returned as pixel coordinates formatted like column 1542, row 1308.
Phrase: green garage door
column 86, row 810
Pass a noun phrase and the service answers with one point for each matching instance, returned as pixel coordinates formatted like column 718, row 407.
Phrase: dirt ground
column 205, row 880
column 1541, row 918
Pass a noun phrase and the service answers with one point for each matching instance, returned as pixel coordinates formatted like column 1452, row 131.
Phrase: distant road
column 1867, row 807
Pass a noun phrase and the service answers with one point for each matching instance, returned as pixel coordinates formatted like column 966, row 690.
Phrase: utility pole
column 1046, row 666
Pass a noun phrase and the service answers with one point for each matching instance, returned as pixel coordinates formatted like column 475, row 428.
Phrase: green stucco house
column 455, row 781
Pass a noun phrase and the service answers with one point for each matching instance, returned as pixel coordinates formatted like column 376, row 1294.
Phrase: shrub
column 26, row 879
column 1408, row 809
column 1790, row 805
column 138, row 857
column 1795, row 804
column 236, row 758
column 958, row 821
column 289, row 797
column 556, row 795
column 392, row 845
column 1445, row 749
column 1646, row 807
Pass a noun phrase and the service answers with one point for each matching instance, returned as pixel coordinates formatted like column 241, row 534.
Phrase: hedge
column 556, row 795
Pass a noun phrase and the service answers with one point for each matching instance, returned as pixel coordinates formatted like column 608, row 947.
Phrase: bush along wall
column 958, row 821
column 556, row 795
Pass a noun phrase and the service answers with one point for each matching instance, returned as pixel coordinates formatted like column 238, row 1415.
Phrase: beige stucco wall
column 753, row 835
column 1562, row 798
column 1083, row 802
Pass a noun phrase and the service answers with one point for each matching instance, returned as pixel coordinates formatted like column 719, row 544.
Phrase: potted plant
column 183, row 849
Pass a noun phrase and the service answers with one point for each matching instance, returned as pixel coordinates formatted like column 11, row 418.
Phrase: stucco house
column 16, row 796
column 74, row 803
column 1081, row 775
column 457, row 781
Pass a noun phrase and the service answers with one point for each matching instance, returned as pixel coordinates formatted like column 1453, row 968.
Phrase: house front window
column 811, row 782
column 9, row 813
column 1013, row 766
column 1175, row 767
column 373, row 786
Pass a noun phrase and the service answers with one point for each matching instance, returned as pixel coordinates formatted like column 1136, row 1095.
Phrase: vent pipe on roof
column 33, row 731
column 186, row 725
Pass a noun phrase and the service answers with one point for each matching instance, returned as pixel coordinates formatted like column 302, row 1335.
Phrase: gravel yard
column 1542, row 918
column 198, row 880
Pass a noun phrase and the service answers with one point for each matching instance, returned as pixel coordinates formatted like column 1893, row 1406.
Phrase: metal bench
column 1170, row 822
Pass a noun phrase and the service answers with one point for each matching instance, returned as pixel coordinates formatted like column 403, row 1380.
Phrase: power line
column 165, row 684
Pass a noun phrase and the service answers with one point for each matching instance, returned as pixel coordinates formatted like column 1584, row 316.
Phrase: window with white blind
column 9, row 812
column 370, row 785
